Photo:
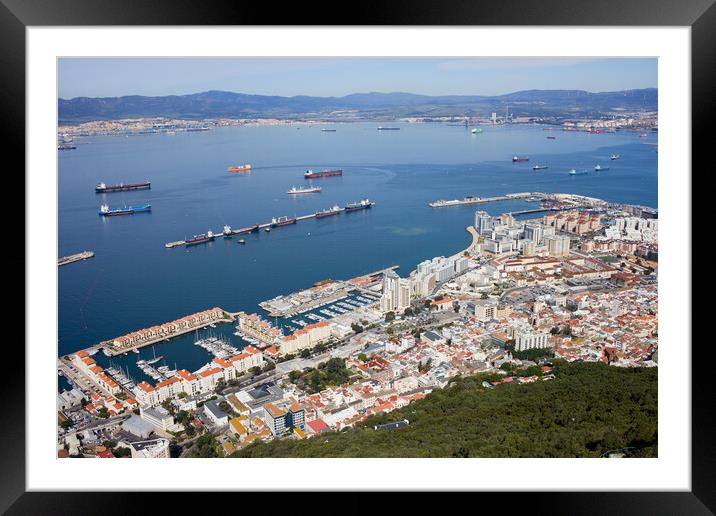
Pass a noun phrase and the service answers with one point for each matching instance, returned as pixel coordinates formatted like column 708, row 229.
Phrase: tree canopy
column 589, row 408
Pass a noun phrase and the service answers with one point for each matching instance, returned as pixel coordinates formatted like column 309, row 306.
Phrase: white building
column 530, row 340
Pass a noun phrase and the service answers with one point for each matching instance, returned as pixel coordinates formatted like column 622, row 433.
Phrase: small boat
column 643, row 135
column 240, row 168
column 551, row 137
column 242, row 241
column 614, row 156
column 268, row 230
column 476, row 130
column 135, row 350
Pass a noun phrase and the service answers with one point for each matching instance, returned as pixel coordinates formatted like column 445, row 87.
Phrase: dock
column 84, row 255
column 290, row 305
column 480, row 200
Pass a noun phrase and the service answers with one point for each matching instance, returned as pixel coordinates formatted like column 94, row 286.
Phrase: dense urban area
column 537, row 340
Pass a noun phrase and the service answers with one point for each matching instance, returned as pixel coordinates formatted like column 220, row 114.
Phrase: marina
column 217, row 347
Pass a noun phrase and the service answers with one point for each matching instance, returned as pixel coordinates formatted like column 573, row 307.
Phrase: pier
column 256, row 227
column 480, row 200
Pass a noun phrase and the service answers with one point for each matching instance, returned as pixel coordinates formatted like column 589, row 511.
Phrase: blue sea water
column 134, row 282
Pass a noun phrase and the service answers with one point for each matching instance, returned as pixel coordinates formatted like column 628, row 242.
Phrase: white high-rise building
column 397, row 293
column 483, row 222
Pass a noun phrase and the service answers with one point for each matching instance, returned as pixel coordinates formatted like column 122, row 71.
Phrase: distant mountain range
column 212, row 104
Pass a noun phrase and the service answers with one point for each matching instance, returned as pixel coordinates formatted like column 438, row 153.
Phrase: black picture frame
column 699, row 15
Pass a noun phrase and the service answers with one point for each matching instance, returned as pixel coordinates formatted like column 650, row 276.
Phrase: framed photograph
column 420, row 252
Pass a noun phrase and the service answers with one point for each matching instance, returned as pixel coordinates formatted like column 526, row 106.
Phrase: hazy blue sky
column 110, row 77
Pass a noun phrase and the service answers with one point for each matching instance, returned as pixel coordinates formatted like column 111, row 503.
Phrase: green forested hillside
column 588, row 409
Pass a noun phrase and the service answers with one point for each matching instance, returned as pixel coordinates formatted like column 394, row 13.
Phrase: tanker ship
column 200, row 239
column 105, row 210
column 328, row 212
column 306, row 190
column 282, row 221
column 310, row 174
column 121, row 187
column 360, row 205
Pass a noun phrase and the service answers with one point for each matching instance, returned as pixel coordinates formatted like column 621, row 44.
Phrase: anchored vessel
column 105, row 210
column 282, row 221
column 381, row 128
column 239, row 168
column 574, row 172
column 599, row 168
column 242, row 231
column 310, row 174
column 328, row 212
column 306, row 190
column 360, row 205
column 84, row 255
column 200, row 239
column 516, row 159
column 121, row 187
column 539, row 167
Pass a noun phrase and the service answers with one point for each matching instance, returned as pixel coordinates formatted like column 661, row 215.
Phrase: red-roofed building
column 316, row 426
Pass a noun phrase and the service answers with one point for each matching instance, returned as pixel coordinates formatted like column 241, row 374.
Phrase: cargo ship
column 551, row 137
column 329, row 212
column 328, row 130
column 360, row 205
column 306, row 190
column 240, row 168
column 516, row 159
column 381, row 128
column 539, row 167
column 65, row 146
column 310, row 174
column 105, row 210
column 200, row 239
column 599, row 168
column 121, row 187
column 282, row 221
column 573, row 172
column 243, row 231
